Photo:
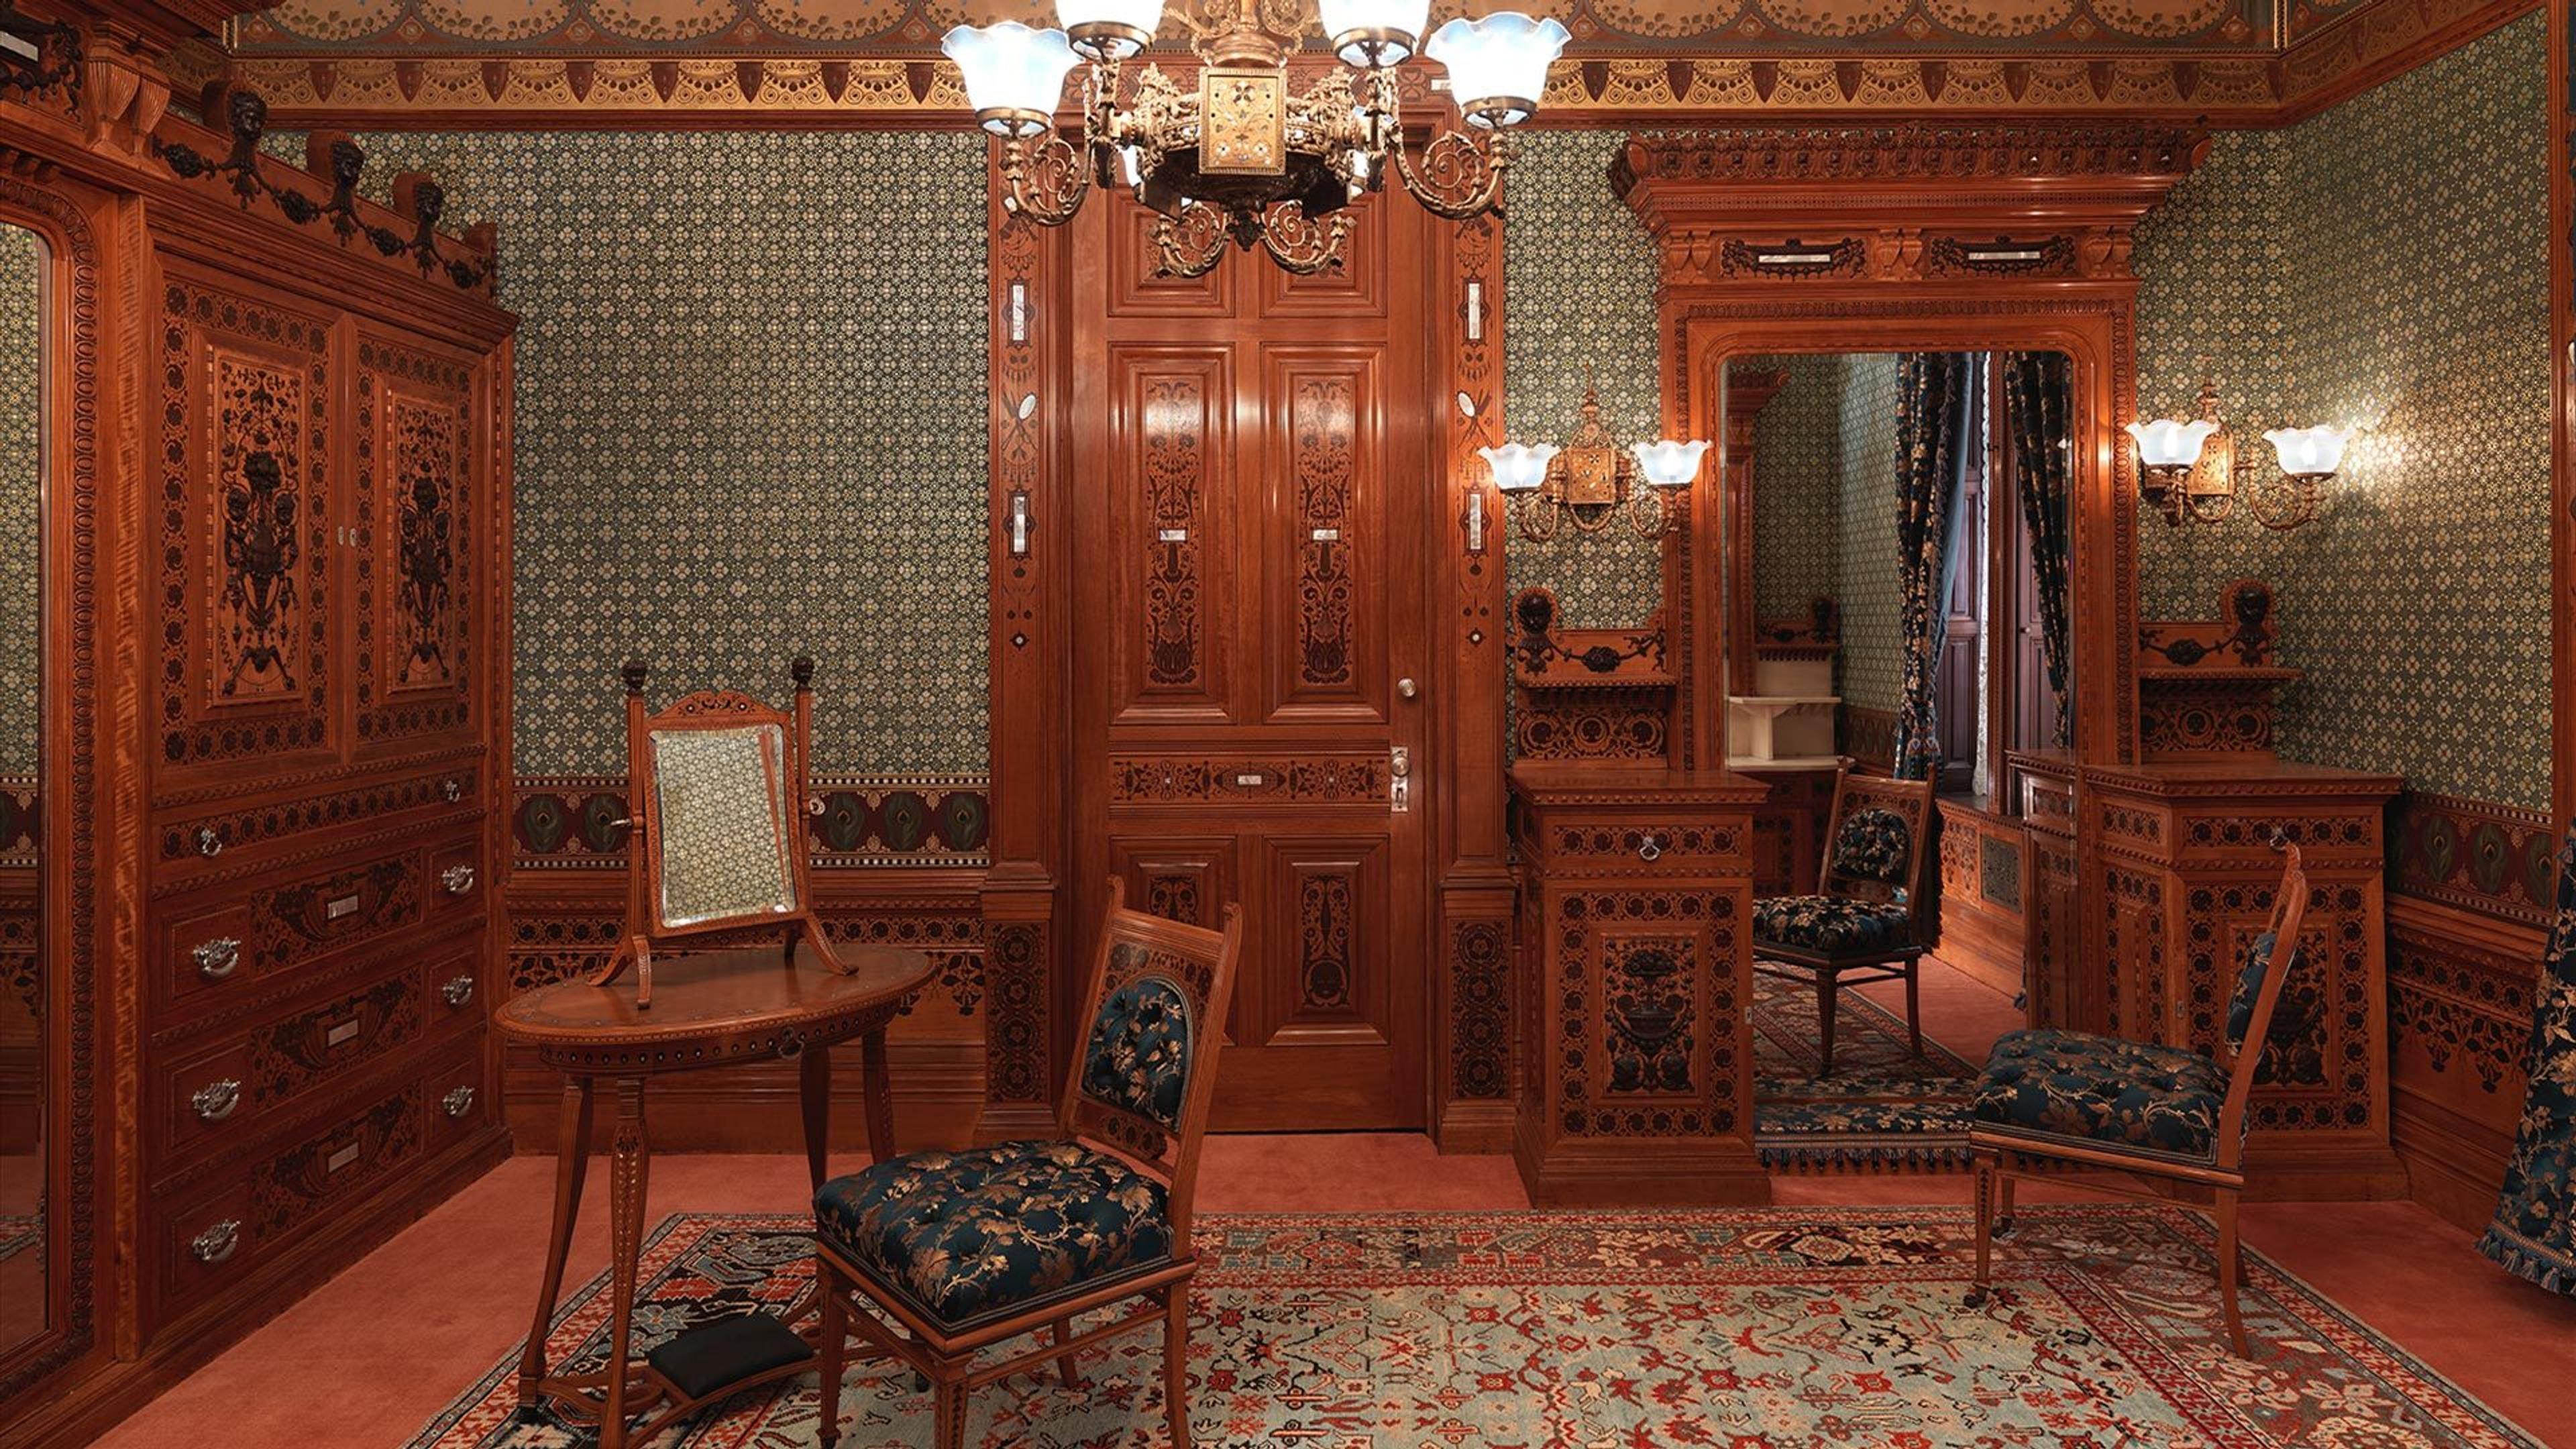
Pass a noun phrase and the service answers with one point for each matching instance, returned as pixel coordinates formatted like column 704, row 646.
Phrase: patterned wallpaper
column 21, row 485
column 1796, row 455
column 750, row 425
column 1579, row 280
column 2386, row 264
column 1870, row 667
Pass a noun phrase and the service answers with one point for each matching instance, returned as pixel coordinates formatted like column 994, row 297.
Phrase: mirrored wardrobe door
column 24, row 1028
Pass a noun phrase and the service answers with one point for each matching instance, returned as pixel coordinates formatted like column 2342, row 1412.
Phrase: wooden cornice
column 1608, row 81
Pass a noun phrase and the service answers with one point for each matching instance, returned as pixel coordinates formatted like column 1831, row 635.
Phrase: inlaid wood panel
column 1327, row 556
column 418, row 490
column 246, row 387
column 1174, row 460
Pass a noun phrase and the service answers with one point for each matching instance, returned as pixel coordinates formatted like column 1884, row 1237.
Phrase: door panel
column 1236, row 713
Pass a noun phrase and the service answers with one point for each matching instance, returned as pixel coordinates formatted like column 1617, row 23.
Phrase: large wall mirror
column 1818, row 494
column 27, row 1028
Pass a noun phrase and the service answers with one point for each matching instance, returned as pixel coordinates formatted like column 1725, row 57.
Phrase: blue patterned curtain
column 2534, row 1232
column 2035, row 384
column 1931, row 406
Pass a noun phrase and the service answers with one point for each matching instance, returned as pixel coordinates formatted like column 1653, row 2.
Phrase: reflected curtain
column 2037, row 398
column 1931, row 407
column 2534, row 1232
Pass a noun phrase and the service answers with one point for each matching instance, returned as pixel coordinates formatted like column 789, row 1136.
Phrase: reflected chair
column 2161, row 1112
column 1866, row 922
column 934, row 1256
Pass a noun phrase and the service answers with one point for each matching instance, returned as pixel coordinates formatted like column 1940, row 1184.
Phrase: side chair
column 1865, row 924
column 934, row 1256
column 2161, row 1112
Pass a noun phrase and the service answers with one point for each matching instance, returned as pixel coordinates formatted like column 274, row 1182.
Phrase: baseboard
column 1474, row 1127
column 85, row 1408
column 2454, row 1166
column 757, row 1107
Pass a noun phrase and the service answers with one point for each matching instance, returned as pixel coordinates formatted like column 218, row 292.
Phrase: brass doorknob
column 1406, row 688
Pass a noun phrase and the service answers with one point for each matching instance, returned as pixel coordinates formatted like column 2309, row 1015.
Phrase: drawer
column 454, row 987
column 458, row 1100
column 271, row 928
column 1643, row 843
column 228, row 1091
column 456, row 883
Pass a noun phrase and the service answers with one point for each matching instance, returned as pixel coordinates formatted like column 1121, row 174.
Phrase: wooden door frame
column 1031, row 955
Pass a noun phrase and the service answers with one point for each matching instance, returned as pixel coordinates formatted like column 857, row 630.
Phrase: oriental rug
column 1883, row 1110
column 1751, row 1329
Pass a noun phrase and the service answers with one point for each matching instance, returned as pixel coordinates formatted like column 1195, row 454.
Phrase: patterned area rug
column 1770, row 1327
column 1883, row 1110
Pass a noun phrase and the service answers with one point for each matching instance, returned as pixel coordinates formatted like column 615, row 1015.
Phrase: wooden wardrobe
column 276, row 644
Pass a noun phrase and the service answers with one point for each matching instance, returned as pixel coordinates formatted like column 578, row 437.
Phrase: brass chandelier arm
column 1045, row 178
column 1192, row 243
column 1300, row 244
column 1457, row 178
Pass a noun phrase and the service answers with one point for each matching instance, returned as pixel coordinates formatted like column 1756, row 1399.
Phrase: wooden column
column 1025, row 954
column 2562, row 332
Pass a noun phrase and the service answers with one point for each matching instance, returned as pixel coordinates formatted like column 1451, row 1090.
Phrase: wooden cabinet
column 1636, row 1075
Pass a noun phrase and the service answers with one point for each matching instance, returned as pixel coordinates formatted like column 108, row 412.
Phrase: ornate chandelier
column 1239, row 158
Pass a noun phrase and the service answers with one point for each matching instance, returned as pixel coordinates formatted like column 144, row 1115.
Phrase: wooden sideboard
column 1635, row 1081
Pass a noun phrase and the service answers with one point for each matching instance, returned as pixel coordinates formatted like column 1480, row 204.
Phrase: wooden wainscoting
column 2469, row 884
column 1985, row 878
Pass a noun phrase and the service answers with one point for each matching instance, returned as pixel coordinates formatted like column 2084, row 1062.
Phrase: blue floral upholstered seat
column 1832, row 925
column 965, row 1235
column 2073, row 1086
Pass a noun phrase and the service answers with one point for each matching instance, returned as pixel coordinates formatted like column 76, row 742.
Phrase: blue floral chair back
column 2263, row 968
column 1875, row 843
column 1147, row 1065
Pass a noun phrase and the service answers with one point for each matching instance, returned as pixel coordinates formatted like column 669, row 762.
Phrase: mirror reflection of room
column 22, row 975
column 1897, row 558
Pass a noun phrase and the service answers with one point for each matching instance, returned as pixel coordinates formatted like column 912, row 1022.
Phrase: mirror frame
column 68, row 813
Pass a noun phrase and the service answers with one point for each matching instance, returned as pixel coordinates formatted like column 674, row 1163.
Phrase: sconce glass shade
column 2168, row 443
column 1517, row 468
column 2309, row 452
column 1014, row 75
column 1497, row 65
column 1109, row 29
column 1374, row 34
column 1669, row 464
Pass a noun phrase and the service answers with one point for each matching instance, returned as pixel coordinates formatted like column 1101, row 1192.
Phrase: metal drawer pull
column 217, row 958
column 458, row 1101
column 209, row 844
column 452, row 788
column 458, row 990
column 216, row 1100
column 457, row 879
column 1650, row 848
column 216, row 1243
column 340, row 1033
column 340, row 908
column 341, row 1158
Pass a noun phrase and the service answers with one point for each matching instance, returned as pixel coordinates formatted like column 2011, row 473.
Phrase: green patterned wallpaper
column 21, row 496
column 1869, row 671
column 1579, row 283
column 1796, row 459
column 2385, row 263
column 750, row 424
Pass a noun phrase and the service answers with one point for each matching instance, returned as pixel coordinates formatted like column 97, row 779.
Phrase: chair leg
column 1913, row 1009
column 835, row 1331
column 950, row 1408
column 2229, row 1266
column 1064, row 1361
column 1176, row 1362
column 1826, row 989
column 1988, row 1162
column 2003, row 1204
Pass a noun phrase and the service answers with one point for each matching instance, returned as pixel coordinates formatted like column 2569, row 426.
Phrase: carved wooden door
column 1251, row 460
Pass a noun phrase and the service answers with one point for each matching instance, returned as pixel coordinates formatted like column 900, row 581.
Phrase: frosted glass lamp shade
column 2309, row 452
column 1374, row 34
column 2168, row 443
column 1014, row 75
column 1518, row 469
column 1497, row 65
column 1668, row 464
column 1109, row 29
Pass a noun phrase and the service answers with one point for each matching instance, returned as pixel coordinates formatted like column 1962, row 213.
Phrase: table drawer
column 1646, row 842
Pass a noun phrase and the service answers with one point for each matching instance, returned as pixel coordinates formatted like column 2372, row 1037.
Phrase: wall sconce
column 1591, row 478
column 2189, row 468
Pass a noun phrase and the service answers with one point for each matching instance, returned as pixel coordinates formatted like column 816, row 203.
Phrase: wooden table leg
column 572, row 1164
column 880, row 1096
column 626, row 1170
column 814, row 1079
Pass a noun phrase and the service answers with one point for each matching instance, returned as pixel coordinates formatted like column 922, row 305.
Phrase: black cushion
column 714, row 1356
